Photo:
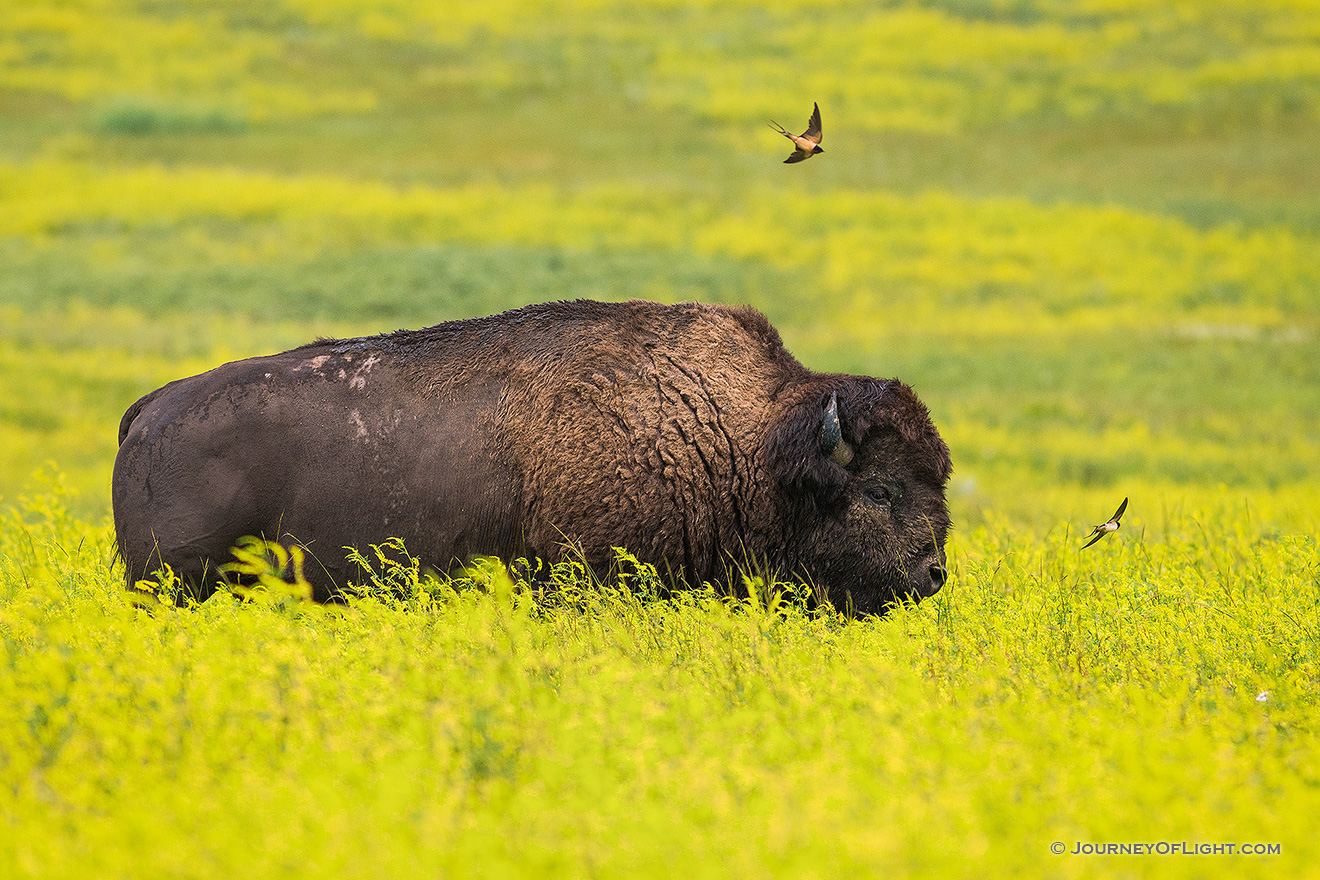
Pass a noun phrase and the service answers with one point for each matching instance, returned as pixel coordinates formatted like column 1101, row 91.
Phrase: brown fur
column 687, row 434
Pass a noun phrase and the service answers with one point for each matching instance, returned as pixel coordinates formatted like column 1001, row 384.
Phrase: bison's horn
column 831, row 435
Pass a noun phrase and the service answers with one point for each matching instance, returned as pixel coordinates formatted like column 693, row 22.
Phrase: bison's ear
column 808, row 448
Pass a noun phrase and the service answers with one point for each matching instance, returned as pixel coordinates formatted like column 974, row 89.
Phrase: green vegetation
column 1149, row 690
column 1085, row 230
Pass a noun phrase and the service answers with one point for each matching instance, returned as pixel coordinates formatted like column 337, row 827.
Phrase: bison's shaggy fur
column 686, row 433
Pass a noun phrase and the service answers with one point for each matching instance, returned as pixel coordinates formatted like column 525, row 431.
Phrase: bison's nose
column 938, row 575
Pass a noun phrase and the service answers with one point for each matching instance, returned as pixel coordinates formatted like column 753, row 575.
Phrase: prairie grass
column 475, row 723
column 1086, row 232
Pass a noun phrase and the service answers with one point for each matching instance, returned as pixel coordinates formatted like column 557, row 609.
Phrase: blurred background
column 1086, row 231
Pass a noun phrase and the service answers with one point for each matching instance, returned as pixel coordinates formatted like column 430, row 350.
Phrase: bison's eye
column 879, row 495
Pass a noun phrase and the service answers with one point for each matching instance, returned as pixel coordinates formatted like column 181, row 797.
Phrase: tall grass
column 476, row 726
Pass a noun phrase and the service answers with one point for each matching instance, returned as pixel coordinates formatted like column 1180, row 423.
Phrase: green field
column 1087, row 232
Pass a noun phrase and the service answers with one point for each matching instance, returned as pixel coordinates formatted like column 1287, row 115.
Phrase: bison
column 685, row 433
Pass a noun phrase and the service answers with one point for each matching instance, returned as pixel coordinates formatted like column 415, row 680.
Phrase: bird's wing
column 797, row 156
column 1098, row 535
column 1118, row 513
column 813, row 125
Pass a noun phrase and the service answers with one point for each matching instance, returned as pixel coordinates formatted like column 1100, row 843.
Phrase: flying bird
column 807, row 143
column 1105, row 528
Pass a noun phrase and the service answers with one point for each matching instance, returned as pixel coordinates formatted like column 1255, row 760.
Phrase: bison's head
column 862, row 474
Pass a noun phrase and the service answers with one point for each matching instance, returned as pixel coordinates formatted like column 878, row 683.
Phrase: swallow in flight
column 807, row 143
column 1105, row 528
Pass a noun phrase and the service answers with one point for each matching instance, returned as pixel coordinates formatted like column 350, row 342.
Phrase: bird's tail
column 779, row 128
